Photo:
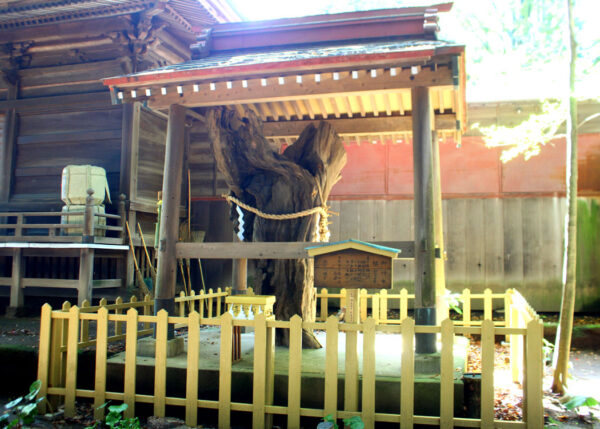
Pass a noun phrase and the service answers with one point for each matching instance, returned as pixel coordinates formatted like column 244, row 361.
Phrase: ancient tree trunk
column 301, row 178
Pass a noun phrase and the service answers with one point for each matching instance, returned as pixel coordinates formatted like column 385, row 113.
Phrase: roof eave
column 286, row 67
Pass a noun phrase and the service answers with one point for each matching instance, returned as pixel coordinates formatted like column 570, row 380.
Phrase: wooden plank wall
column 150, row 155
column 47, row 142
column 494, row 242
column 206, row 180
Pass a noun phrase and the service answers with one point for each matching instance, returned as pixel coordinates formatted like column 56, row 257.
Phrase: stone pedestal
column 147, row 347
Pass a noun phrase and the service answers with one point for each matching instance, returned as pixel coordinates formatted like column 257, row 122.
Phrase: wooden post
column 169, row 224
column 123, row 260
column 351, row 376
column 240, row 276
column 16, row 286
column 425, row 300
column 86, row 256
column 7, row 148
column 441, row 305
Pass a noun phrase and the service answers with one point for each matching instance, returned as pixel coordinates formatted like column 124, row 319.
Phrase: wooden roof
column 339, row 78
column 190, row 14
column 352, row 244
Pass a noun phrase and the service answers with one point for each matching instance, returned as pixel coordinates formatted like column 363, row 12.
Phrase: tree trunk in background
column 565, row 327
column 277, row 183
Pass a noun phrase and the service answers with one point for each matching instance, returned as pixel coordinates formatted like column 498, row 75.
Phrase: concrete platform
column 427, row 386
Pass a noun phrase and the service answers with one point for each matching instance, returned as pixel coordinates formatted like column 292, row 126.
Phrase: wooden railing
column 377, row 303
column 34, row 226
column 60, row 342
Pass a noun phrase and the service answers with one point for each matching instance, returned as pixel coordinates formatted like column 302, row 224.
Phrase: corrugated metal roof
column 262, row 56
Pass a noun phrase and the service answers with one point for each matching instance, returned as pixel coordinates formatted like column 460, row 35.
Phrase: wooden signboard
column 352, row 268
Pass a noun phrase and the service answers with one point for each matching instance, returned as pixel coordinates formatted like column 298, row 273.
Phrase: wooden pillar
column 424, row 218
column 16, row 284
column 86, row 255
column 169, row 223
column 441, row 305
column 129, row 172
column 7, row 150
column 239, row 273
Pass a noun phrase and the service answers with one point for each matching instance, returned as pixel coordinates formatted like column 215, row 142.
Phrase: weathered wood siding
column 496, row 243
column 206, row 179
column 47, row 142
column 150, row 155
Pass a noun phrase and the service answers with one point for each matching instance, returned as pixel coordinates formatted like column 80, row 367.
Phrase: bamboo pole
column 152, row 270
column 138, row 273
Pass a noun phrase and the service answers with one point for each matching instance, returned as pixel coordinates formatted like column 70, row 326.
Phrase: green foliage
column 351, row 422
column 22, row 411
column 581, row 401
column 114, row 418
column 453, row 301
column 529, row 136
column 548, row 349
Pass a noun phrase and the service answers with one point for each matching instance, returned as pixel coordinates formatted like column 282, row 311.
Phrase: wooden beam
column 358, row 125
column 279, row 250
column 310, row 88
column 169, row 222
column 78, row 102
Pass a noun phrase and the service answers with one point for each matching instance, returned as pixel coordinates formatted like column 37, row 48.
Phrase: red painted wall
column 472, row 170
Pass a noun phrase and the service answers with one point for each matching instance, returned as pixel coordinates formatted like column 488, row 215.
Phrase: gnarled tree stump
column 298, row 179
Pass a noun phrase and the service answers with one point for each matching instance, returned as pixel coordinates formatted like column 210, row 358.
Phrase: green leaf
column 34, row 389
column 29, row 409
column 354, row 422
column 13, row 403
column 581, row 401
column 117, row 408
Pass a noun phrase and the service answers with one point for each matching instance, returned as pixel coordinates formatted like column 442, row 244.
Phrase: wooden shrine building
column 381, row 73
column 54, row 111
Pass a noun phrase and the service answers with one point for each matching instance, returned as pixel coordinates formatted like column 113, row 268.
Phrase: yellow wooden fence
column 380, row 301
column 60, row 340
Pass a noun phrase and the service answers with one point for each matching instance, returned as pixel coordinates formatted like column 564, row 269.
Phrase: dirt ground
column 23, row 333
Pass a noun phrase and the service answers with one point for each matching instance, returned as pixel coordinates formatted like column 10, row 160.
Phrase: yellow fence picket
column 375, row 306
column 447, row 375
column 295, row 373
column 130, row 362
column 487, row 304
column 219, row 299
column 466, row 302
column 201, row 305
column 342, row 300
column 487, row 374
column 260, row 373
column 516, row 346
column 118, row 325
column 363, row 304
column 209, row 304
column 191, row 386
column 535, row 372
column 85, row 324
column 71, row 372
column 225, row 370
column 351, row 370
column 101, row 351
column 407, row 370
column 331, row 367
column 324, row 305
column 368, row 374
column 383, row 305
column 403, row 304
column 181, row 308
column 44, row 353
column 160, row 361
column 147, row 309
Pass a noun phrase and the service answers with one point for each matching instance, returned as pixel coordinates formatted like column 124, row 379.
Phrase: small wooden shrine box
column 353, row 264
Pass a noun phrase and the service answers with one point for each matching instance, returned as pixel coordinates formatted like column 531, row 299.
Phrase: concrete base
column 12, row 312
column 427, row 363
column 147, row 347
